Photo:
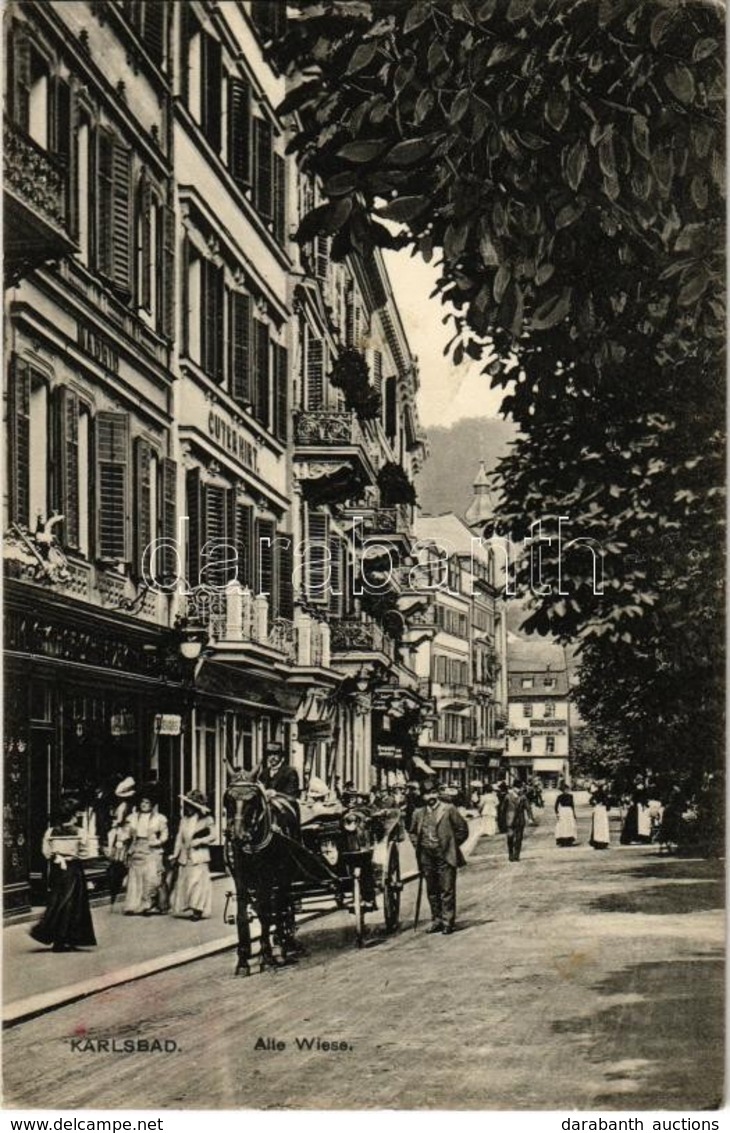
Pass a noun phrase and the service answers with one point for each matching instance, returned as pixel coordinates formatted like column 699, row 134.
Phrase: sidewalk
column 128, row 948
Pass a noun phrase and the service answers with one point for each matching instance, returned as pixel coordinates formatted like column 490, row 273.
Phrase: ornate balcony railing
column 234, row 614
column 447, row 688
column 324, row 427
column 349, row 636
column 34, row 176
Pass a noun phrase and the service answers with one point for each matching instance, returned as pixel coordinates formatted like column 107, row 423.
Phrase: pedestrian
column 488, row 811
column 66, row 924
column 600, row 833
column 566, row 828
column 192, row 890
column 437, row 832
column 146, row 832
column 511, row 813
column 117, row 848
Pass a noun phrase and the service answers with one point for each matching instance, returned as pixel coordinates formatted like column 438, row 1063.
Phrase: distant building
column 538, row 730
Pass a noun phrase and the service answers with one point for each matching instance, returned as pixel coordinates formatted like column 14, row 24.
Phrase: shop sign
column 558, row 731
column 123, row 724
column 552, row 723
column 168, row 725
column 389, row 752
column 229, row 438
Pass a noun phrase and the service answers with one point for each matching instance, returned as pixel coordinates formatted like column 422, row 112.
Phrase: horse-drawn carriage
column 345, row 857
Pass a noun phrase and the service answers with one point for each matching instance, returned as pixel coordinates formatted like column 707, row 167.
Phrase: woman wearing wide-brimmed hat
column 193, row 891
column 146, row 832
column 66, row 923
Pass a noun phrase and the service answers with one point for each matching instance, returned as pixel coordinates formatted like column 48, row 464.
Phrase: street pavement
column 576, row 979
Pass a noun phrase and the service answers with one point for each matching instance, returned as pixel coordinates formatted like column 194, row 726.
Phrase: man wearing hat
column 511, row 810
column 275, row 774
column 437, row 831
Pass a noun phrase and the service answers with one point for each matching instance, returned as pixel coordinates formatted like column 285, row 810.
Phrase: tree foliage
column 565, row 161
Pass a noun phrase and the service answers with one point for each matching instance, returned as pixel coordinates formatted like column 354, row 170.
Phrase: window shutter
column 286, row 578
column 213, row 297
column 239, row 130
column 321, row 257
column 145, row 251
column 67, row 464
column 212, row 91
column 20, row 59
column 263, row 384
column 186, row 313
column 195, row 526
column 61, row 137
column 244, row 546
column 241, row 339
column 336, row 576
column 170, row 561
column 390, row 407
column 167, row 306
column 350, row 335
column 315, row 371
column 121, row 215
column 143, row 533
column 281, row 393
column 216, row 508
column 279, row 170
column 19, row 446
column 105, row 195
column 317, row 544
column 153, row 30
column 265, row 536
column 112, row 451
column 377, row 370
column 263, row 150
column 187, row 24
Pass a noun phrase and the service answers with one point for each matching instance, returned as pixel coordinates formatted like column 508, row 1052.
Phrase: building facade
column 538, row 731
column 210, row 430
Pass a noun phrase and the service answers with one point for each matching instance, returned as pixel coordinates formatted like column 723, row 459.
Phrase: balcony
column 234, row 616
column 35, row 200
column 354, row 636
column 332, row 461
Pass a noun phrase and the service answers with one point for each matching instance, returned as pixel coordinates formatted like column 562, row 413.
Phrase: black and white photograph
column 364, row 403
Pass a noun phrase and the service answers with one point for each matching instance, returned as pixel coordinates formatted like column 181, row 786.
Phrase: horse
column 260, row 833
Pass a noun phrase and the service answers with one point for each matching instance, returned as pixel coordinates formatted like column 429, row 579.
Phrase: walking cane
column 419, row 894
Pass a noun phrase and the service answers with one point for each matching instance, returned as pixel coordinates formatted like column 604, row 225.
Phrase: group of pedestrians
column 153, row 882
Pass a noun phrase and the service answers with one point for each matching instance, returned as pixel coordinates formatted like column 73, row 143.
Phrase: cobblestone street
column 575, row 979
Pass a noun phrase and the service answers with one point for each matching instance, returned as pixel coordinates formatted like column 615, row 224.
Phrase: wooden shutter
column 263, row 384
column 285, row 570
column 281, row 392
column 391, row 424
column 187, row 31
column 336, row 576
column 61, row 136
column 321, row 257
column 112, row 479
column 213, row 299
column 239, row 130
column 121, row 217
column 144, row 224
column 195, row 526
column 153, row 29
column 263, row 167
column 143, row 533
column 216, row 505
column 67, row 463
column 19, row 58
column 377, row 370
column 19, row 442
column 168, row 518
column 167, row 304
column 315, row 371
column 245, row 547
column 105, row 198
column 241, row 344
column 279, row 172
column 350, row 335
column 317, row 545
column 265, row 546
column 212, row 80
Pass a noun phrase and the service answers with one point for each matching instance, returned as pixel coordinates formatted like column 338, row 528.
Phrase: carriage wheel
column 392, row 887
column 357, row 907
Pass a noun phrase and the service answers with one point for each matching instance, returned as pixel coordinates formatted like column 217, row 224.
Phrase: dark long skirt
column 67, row 919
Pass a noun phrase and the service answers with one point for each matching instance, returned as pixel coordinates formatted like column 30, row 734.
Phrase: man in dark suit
column 437, row 831
column 276, row 775
column 511, row 810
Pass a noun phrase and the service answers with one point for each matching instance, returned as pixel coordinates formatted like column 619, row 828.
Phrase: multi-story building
column 538, row 733
column 190, row 455
column 459, row 638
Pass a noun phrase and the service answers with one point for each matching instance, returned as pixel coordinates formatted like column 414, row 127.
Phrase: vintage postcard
column 362, row 542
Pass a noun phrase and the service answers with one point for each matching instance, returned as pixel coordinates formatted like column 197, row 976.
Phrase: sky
column 447, row 393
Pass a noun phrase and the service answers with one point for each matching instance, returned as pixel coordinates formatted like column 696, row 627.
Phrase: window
column 202, row 77
column 527, row 743
column 147, row 17
column 390, row 410
column 527, row 710
column 114, row 226
column 204, row 307
column 549, row 682
column 550, row 745
column 269, row 19
column 113, row 489
column 314, row 363
column 528, row 682
column 240, row 342
column 549, row 710
column 263, row 167
column 262, row 392
column 317, row 551
column 280, row 374
column 84, row 198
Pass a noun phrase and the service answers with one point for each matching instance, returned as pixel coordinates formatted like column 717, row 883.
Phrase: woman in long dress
column 566, row 829
column 193, row 891
column 488, row 811
column 66, row 923
column 600, row 834
column 146, row 832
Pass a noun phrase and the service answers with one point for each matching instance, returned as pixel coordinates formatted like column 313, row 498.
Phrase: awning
column 541, row 764
column 315, row 717
column 421, row 765
column 243, row 688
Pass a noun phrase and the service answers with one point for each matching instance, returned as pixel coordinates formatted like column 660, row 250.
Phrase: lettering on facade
column 98, row 347
column 224, row 434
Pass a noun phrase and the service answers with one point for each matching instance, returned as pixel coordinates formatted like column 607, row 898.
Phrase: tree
column 565, row 160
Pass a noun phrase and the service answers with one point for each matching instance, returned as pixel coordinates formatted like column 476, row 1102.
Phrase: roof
column 535, row 657
column 450, row 534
